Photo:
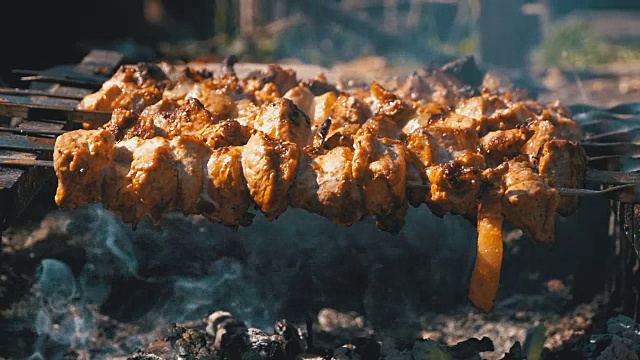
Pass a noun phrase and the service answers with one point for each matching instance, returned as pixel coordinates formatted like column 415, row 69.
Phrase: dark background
column 40, row 34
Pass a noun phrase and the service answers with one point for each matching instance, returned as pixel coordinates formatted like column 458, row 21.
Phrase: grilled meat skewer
column 219, row 146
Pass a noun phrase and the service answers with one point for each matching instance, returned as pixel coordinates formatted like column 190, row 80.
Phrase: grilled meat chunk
column 380, row 168
column 132, row 87
column 529, row 203
column 501, row 145
column 562, row 165
column 80, row 159
column 190, row 155
column 269, row 167
column 304, row 99
column 347, row 113
column 118, row 194
column 225, row 198
column 455, row 185
column 154, row 177
column 282, row 119
column 325, row 185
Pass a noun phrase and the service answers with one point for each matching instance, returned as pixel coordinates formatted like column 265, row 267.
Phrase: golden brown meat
column 432, row 86
column 503, row 145
column 282, row 119
column 562, row 165
column 384, row 103
column 455, row 185
column 190, row 155
column 380, row 168
column 346, row 113
column 549, row 126
column 325, row 185
column 528, row 202
column 304, row 99
column 492, row 112
column 80, row 159
column 226, row 197
column 125, row 124
column 269, row 167
column 132, row 87
column 118, row 194
column 154, row 177
column 188, row 119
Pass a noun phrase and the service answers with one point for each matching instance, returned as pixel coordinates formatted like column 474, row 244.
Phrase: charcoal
column 622, row 326
column 191, row 343
column 367, row 347
column 264, row 347
column 465, row 69
column 294, row 343
column 619, row 349
column 231, row 338
column 215, row 319
column 515, row 352
column 141, row 355
column 468, row 348
column 346, row 352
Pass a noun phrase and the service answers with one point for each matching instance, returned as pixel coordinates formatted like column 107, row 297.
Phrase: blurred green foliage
column 571, row 44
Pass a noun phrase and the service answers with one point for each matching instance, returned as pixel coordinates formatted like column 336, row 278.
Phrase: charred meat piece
column 562, row 165
column 282, row 119
column 269, row 167
column 386, row 104
column 380, row 168
column 320, row 86
column 550, row 126
column 347, row 113
column 325, row 185
column 225, row 198
column 154, row 176
column 133, row 87
column 80, row 159
column 190, row 155
column 432, row 85
column 118, row 193
column 529, row 203
column 492, row 112
column 503, row 145
column 455, row 185
column 125, row 124
column 274, row 78
column 188, row 119
column 303, row 98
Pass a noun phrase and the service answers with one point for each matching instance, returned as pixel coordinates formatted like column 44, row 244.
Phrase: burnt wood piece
column 25, row 163
column 31, row 132
column 18, row 187
column 26, row 144
column 28, row 92
column 56, row 113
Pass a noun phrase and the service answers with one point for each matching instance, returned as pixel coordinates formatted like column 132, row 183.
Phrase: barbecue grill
column 32, row 118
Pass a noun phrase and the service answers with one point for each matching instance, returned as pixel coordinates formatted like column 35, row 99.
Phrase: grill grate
column 47, row 109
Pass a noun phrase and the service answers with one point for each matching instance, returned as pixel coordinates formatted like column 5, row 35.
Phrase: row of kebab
column 224, row 147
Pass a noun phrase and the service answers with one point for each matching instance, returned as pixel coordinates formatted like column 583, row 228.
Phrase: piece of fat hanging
column 485, row 279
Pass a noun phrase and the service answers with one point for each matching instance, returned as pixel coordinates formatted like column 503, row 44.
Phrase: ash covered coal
column 118, row 289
